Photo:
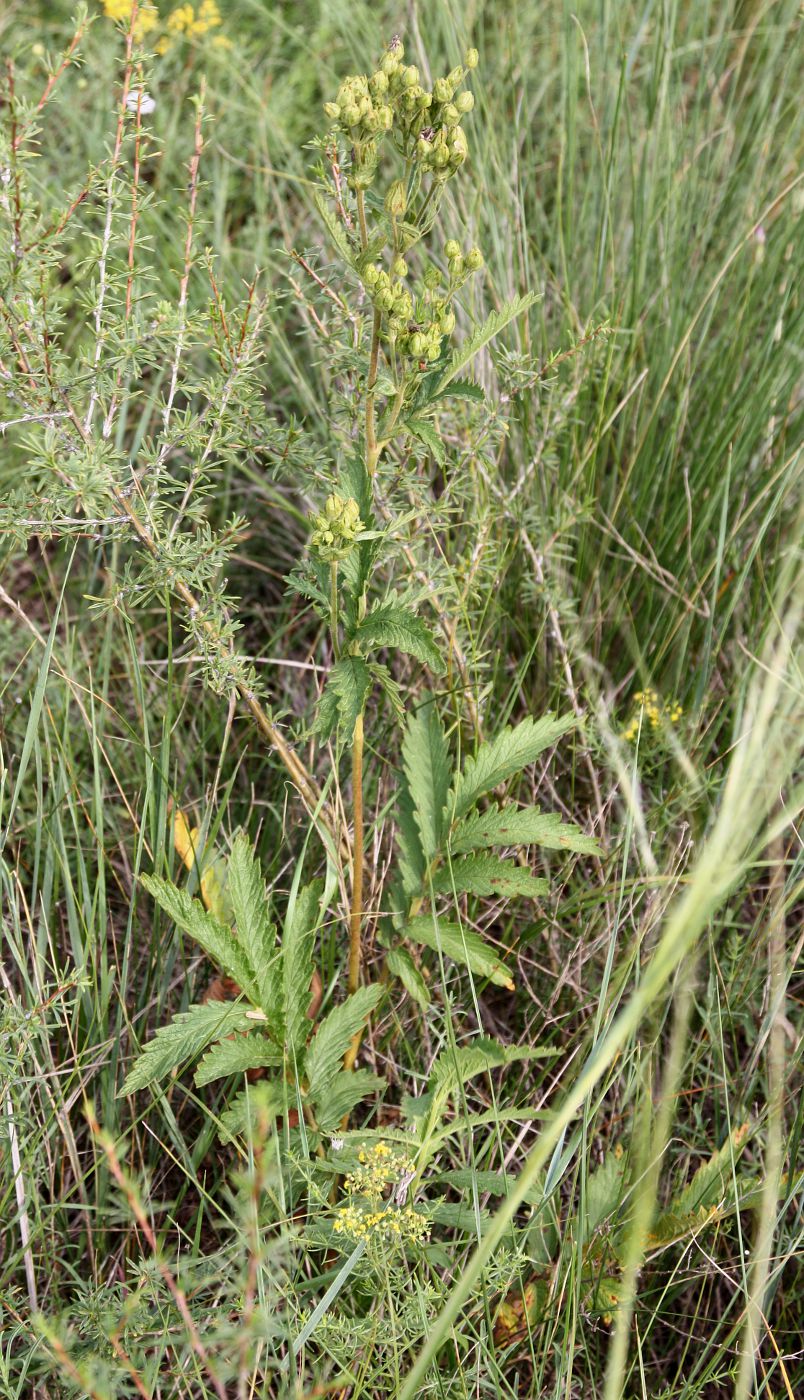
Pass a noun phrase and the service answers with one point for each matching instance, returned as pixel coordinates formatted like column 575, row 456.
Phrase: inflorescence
column 378, row 1210
column 648, row 709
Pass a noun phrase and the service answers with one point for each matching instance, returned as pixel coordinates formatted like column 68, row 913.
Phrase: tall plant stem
column 356, row 909
column 372, row 448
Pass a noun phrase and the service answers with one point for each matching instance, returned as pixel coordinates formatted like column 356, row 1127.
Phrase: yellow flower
column 180, row 20
column 120, row 11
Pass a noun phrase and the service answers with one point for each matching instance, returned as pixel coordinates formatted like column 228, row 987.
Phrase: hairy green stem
column 333, row 605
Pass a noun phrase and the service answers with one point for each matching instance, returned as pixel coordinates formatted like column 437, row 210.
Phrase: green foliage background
column 628, row 516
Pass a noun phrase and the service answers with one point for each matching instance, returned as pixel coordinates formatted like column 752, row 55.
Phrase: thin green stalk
column 333, row 605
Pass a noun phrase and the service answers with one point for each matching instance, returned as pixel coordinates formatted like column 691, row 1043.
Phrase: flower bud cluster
column 428, row 123
column 416, row 325
column 336, row 528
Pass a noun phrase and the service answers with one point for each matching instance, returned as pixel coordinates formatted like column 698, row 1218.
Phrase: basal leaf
column 254, row 1051
column 333, row 1038
column 256, row 933
column 460, row 944
column 181, row 1040
column 348, row 1088
column 457, row 1066
column 486, row 875
column 502, row 757
column 217, row 941
column 426, row 761
column 400, row 964
column 520, row 826
column 298, row 942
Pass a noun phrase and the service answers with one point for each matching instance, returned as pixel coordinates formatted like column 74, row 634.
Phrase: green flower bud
column 371, row 275
column 425, row 100
column 336, row 528
column 423, row 148
column 434, row 350
column 332, row 110
column 452, row 249
column 474, row 259
column 450, row 115
column 442, row 90
column 416, row 345
column 396, row 200
column 472, row 58
column 458, row 148
column 389, row 65
column 447, row 323
column 410, row 77
column 378, row 82
column 400, row 268
column 464, row 102
column 440, row 157
column 455, row 78
column 432, row 276
column 351, row 115
column 456, row 266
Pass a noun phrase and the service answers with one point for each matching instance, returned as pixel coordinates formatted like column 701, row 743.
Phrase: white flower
column 336, row 1144
column 138, row 97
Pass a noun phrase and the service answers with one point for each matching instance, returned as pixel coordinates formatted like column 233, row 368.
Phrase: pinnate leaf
column 254, row 1051
column 256, row 933
column 486, row 875
column 333, row 1038
column 217, row 941
column 462, row 945
column 425, row 758
column 504, row 756
column 181, row 1040
column 395, row 626
column 520, row 826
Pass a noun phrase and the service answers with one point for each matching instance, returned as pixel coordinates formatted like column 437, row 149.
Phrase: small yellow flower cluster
column 372, row 1217
column 120, row 11
column 184, row 22
column 377, row 1166
column 388, row 1225
column 647, row 707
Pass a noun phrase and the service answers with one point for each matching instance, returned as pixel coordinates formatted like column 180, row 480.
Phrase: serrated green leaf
column 253, row 1051
column 520, row 826
column 425, row 431
column 400, row 964
column 181, row 1040
column 412, row 864
column 485, row 875
column 298, row 942
column 504, row 756
column 333, row 1038
column 217, row 942
column 712, row 1177
column 425, row 758
column 457, row 1066
column 347, row 689
column 348, row 1088
column 463, row 389
column 243, row 1114
column 604, row 1190
column 462, row 945
column 490, row 328
column 256, row 934
column 335, row 229
column 396, row 626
